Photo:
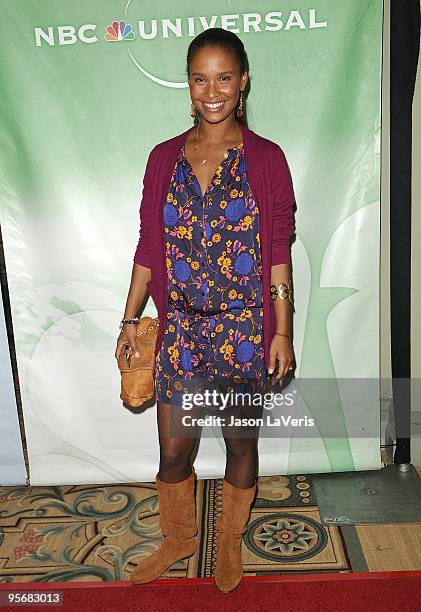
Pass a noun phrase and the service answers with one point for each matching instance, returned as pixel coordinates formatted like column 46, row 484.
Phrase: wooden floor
column 391, row 547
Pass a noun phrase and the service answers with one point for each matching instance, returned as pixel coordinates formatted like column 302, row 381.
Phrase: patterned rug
column 88, row 533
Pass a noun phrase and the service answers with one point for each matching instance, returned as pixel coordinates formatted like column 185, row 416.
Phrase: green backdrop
column 79, row 115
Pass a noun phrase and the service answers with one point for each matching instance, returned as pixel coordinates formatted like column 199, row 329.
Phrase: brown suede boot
column 231, row 525
column 177, row 519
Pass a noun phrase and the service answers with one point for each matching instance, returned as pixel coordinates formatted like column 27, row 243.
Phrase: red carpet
column 365, row 591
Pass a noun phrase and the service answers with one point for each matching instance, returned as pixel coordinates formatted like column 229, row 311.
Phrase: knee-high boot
column 177, row 519
column 231, row 524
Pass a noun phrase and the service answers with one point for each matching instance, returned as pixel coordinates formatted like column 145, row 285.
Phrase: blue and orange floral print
column 215, row 314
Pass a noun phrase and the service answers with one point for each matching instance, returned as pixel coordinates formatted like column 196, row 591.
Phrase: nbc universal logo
column 181, row 26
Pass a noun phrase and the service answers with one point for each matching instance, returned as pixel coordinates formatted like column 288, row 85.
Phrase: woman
column 208, row 259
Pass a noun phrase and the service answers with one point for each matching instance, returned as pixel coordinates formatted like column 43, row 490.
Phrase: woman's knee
column 240, row 447
column 175, row 455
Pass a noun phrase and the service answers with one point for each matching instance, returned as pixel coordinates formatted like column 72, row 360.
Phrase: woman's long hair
column 218, row 37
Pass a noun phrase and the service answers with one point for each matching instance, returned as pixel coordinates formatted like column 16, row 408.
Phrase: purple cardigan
column 271, row 184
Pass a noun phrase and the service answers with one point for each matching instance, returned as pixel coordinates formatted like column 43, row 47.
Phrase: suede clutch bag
column 137, row 373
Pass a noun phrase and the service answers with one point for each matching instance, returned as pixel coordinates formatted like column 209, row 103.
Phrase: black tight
column 175, row 452
column 241, row 446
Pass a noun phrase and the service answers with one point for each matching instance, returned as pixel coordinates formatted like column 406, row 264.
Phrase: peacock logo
column 119, row 30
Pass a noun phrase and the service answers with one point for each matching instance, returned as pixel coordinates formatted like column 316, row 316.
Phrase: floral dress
column 214, row 330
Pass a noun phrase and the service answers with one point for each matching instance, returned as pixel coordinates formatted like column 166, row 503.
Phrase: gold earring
column 240, row 107
column 193, row 111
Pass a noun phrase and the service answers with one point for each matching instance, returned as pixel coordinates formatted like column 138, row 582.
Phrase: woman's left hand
column 281, row 349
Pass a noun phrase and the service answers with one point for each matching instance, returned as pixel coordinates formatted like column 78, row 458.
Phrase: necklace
column 196, row 150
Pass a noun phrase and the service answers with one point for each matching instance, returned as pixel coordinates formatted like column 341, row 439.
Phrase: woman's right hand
column 127, row 336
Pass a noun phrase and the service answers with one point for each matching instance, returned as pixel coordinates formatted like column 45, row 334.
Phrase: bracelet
column 130, row 321
column 283, row 291
column 279, row 334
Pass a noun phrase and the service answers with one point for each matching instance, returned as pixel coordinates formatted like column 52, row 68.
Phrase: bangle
column 279, row 334
column 283, row 291
column 123, row 321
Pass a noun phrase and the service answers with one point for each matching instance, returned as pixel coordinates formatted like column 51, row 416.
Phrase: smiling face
column 215, row 82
